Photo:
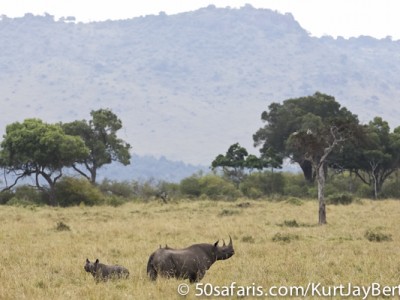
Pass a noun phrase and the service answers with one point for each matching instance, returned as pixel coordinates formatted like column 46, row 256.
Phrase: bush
column 170, row 189
column 365, row 191
column 215, row 187
column 376, row 235
column 343, row 199
column 294, row 201
column 190, row 186
column 14, row 201
column 122, row 189
column 343, row 183
column 23, row 195
column 257, row 185
column 147, row 189
column 5, row 196
column 115, row 201
column 72, row 191
column 391, row 189
column 295, row 185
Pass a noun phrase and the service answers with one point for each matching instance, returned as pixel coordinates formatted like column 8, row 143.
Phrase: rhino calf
column 189, row 263
column 105, row 272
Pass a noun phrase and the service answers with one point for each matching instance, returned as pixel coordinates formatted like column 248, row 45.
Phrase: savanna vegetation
column 50, row 227
column 43, row 249
column 340, row 160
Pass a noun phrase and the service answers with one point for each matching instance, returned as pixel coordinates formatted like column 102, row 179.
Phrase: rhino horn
column 230, row 242
column 223, row 243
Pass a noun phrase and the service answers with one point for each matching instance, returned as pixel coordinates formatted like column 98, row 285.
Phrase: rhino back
column 106, row 271
column 182, row 263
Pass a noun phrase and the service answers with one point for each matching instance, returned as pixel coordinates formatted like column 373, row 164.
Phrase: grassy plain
column 276, row 244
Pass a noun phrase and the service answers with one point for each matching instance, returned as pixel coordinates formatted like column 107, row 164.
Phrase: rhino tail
column 151, row 270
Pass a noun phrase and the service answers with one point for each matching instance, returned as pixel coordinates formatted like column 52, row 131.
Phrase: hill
column 187, row 86
column 148, row 167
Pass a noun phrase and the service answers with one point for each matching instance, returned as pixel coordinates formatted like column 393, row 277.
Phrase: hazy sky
column 377, row 18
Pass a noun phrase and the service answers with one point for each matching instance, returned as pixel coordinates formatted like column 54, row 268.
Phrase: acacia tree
column 100, row 136
column 232, row 163
column 237, row 159
column 35, row 148
column 377, row 157
column 284, row 119
column 308, row 130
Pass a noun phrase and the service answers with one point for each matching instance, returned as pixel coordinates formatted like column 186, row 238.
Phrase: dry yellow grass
column 37, row 261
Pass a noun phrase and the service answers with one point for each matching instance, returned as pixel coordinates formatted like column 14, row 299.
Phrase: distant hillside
column 189, row 85
column 143, row 168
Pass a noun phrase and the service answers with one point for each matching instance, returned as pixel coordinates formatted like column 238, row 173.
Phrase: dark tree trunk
column 307, row 169
column 93, row 175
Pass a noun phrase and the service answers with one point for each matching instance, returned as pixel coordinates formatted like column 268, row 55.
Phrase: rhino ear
column 87, row 261
column 97, row 261
column 216, row 243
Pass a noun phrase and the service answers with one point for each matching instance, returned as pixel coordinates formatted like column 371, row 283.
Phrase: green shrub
column 123, row 189
column 294, row 201
column 170, row 189
column 296, row 191
column 190, row 186
column 376, row 235
column 295, row 185
column 258, row 184
column 6, row 196
column 215, row 187
column 343, row 199
column 72, row 191
column 345, row 182
column 145, row 190
column 391, row 189
column 30, row 193
column 25, row 195
column 115, row 201
column 14, row 201
column 365, row 191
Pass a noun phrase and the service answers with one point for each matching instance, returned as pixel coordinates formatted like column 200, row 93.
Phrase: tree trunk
column 307, row 169
column 93, row 175
column 52, row 196
column 321, row 194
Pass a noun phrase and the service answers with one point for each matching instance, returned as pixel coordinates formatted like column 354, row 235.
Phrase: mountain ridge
column 189, row 85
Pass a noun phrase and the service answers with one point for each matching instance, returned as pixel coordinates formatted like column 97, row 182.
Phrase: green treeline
column 340, row 160
column 276, row 186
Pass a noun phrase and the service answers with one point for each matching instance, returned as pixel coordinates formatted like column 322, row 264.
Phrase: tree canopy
column 100, row 137
column 377, row 155
column 39, row 149
column 237, row 159
column 312, row 117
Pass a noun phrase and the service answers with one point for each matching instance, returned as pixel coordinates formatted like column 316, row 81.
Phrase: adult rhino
column 189, row 263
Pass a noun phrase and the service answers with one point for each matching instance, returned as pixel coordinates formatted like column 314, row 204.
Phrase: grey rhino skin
column 104, row 272
column 189, row 263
